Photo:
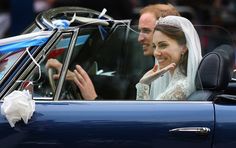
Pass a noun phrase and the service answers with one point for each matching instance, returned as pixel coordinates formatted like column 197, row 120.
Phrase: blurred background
column 16, row 15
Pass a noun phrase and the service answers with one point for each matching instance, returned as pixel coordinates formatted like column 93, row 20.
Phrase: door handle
column 198, row 130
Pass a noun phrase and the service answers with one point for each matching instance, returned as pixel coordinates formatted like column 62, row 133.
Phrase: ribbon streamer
column 22, row 41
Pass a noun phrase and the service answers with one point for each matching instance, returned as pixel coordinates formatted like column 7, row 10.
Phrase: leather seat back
column 214, row 73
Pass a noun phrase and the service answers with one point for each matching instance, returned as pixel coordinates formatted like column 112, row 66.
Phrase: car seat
column 214, row 73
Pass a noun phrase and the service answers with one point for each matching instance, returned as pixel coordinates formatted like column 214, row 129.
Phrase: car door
column 225, row 126
column 114, row 124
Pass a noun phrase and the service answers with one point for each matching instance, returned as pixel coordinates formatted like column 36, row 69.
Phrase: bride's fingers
column 155, row 68
column 170, row 66
column 165, row 69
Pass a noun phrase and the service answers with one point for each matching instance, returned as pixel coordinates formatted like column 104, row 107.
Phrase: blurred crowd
column 16, row 15
column 5, row 18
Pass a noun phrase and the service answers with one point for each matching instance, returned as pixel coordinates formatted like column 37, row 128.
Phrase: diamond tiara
column 168, row 21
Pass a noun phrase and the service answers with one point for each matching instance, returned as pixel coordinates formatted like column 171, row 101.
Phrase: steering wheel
column 70, row 92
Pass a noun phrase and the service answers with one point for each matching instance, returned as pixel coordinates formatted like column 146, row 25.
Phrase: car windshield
column 12, row 48
column 88, row 40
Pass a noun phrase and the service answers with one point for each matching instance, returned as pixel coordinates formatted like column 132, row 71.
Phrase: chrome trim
column 123, row 101
column 197, row 130
column 66, row 64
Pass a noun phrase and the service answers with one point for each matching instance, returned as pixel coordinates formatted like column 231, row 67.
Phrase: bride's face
column 167, row 50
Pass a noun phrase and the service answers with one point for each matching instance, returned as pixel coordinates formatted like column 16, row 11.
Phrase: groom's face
column 147, row 22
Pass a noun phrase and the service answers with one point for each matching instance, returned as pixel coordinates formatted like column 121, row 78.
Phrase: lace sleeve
column 142, row 91
column 178, row 91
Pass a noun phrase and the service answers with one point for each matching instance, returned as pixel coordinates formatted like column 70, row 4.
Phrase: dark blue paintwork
column 111, row 124
column 225, row 126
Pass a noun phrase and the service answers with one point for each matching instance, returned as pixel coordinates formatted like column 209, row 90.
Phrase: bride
column 177, row 50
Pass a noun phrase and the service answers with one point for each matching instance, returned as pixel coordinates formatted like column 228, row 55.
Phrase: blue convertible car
column 108, row 50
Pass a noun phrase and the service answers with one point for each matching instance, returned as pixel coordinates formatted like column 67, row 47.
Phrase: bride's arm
column 142, row 91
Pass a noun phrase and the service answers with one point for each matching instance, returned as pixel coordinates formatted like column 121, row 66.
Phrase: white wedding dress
column 177, row 89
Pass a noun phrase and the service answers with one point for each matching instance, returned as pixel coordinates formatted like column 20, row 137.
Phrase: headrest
column 216, row 69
